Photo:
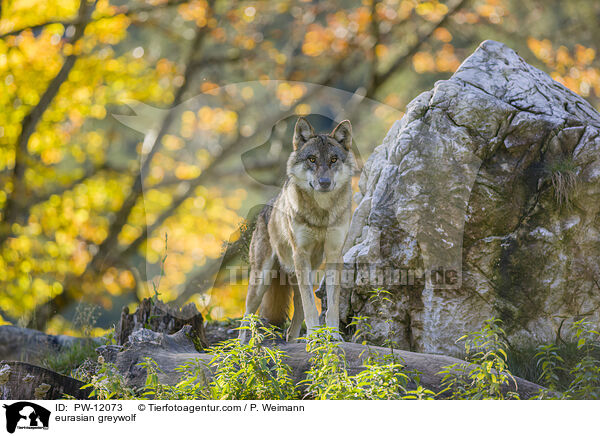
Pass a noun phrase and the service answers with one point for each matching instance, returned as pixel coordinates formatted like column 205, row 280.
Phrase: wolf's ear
column 302, row 133
column 343, row 134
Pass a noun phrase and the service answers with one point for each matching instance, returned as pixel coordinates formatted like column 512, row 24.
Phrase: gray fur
column 306, row 225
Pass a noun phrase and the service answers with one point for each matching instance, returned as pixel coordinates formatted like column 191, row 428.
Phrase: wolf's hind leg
column 297, row 318
column 258, row 283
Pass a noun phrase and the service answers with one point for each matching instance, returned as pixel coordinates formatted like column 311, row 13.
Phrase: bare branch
column 374, row 30
column 209, row 61
column 381, row 78
column 7, row 317
column 121, row 11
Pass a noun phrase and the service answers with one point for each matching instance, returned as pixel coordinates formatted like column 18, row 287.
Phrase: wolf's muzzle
column 324, row 183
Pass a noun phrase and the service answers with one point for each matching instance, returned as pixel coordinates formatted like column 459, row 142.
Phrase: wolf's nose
column 325, row 182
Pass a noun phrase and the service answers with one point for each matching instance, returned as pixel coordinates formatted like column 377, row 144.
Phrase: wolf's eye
column 312, row 159
column 334, row 159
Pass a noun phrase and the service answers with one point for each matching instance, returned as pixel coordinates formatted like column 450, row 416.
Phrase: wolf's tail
column 275, row 306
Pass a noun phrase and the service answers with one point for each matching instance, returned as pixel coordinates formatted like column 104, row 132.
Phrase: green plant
column 486, row 374
column 384, row 376
column 380, row 295
column 327, row 377
column 258, row 371
column 525, row 362
column 362, row 329
column 251, row 371
column 109, row 384
column 110, row 338
column 586, row 373
column 549, row 361
column 382, row 379
column 192, row 386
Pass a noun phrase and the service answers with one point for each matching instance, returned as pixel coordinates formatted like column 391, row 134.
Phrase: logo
column 26, row 415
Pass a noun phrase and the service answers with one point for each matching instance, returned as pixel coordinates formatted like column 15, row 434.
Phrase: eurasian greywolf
column 300, row 228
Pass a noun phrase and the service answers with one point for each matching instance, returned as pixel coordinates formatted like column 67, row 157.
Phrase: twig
column 381, row 78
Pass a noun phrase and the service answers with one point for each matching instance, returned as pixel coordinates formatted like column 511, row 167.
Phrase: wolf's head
column 321, row 162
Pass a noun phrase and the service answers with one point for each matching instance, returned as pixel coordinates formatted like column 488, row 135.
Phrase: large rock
column 489, row 185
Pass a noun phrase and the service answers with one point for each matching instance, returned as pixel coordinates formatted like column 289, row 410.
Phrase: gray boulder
column 482, row 201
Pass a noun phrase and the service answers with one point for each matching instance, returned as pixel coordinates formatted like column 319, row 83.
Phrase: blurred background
column 107, row 196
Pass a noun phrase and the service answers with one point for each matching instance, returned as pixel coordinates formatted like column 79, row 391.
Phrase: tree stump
column 158, row 317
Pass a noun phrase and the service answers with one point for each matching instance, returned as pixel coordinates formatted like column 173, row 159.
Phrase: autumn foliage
column 86, row 202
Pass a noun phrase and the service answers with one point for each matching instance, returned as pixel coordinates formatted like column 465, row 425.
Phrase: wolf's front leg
column 332, row 285
column 303, row 275
column 333, row 271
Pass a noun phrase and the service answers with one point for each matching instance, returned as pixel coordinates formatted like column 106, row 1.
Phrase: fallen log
column 171, row 351
column 24, row 381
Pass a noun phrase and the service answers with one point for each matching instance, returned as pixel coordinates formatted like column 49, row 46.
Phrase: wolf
column 304, row 225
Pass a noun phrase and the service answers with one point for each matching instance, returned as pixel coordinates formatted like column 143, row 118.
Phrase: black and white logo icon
column 26, row 415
